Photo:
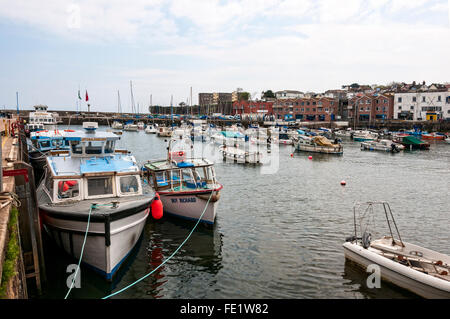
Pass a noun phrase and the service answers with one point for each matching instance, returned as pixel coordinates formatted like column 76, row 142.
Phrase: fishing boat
column 412, row 143
column 151, row 129
column 382, row 145
column 420, row 270
column 317, row 144
column 284, row 138
column 233, row 147
column 187, row 186
column 94, row 189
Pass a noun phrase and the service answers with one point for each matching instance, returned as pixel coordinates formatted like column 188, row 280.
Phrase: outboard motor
column 366, row 237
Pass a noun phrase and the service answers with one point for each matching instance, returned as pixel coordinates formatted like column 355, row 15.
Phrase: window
column 414, row 99
column 77, row 147
column 439, row 98
column 99, row 186
column 68, row 189
column 399, row 100
column 175, row 178
column 44, row 144
column 94, row 147
column 399, row 107
column 423, row 98
column 129, row 184
column 57, row 143
column 412, row 107
column 368, row 102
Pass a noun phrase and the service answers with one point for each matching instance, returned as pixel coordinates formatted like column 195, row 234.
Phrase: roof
column 90, row 135
column 70, row 166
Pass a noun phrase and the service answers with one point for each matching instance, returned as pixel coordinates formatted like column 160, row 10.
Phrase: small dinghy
column 382, row 146
column 422, row 271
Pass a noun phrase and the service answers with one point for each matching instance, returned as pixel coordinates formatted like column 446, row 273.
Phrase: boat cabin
column 179, row 174
column 94, row 169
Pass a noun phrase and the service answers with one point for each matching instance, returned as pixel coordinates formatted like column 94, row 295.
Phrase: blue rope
column 173, row 254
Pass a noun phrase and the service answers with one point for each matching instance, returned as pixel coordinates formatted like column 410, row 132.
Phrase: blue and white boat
column 94, row 182
column 42, row 144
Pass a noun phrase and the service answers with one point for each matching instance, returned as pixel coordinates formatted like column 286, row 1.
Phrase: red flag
column 87, row 97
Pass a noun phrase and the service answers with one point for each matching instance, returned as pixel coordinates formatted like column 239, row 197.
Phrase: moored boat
column 362, row 136
column 382, row 145
column 187, row 186
column 151, row 129
column 420, row 270
column 411, row 143
column 317, row 144
column 94, row 190
column 433, row 136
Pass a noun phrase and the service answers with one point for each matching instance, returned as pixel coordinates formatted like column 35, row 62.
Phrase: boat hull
column 240, row 156
column 398, row 274
column 108, row 243
column 319, row 149
column 191, row 205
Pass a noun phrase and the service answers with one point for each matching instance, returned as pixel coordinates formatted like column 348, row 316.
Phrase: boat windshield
column 129, row 184
column 68, row 189
column 44, row 144
column 77, row 147
column 100, row 186
column 94, row 147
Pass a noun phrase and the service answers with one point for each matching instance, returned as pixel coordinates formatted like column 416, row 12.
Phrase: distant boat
column 382, row 145
column 411, row 142
column 362, row 136
column 40, row 119
column 130, row 127
column 151, row 129
column 140, row 125
column 433, row 136
column 117, row 125
column 317, row 144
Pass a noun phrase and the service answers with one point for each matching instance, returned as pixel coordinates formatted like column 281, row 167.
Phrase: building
column 205, row 99
column 288, row 94
column 307, row 109
column 370, row 107
column 421, row 106
column 253, row 107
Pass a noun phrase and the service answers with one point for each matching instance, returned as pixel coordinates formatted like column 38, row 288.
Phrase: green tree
column 243, row 96
column 268, row 94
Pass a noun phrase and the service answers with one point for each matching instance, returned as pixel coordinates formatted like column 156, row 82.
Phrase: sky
column 50, row 49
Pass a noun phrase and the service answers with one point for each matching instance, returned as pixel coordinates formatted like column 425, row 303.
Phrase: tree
column 268, row 94
column 243, row 96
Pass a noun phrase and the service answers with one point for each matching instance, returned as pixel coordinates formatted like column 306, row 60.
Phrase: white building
column 288, row 94
column 421, row 106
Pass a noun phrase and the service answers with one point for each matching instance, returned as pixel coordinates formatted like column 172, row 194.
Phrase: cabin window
column 44, row 144
column 188, row 178
column 175, row 178
column 57, row 143
column 129, row 184
column 77, row 147
column 94, row 147
column 109, row 147
column 49, row 186
column 68, row 189
column 161, row 179
column 100, row 186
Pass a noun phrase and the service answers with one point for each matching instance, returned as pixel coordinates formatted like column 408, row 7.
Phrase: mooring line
column 173, row 254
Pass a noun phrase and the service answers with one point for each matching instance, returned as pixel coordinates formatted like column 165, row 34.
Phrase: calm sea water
column 278, row 235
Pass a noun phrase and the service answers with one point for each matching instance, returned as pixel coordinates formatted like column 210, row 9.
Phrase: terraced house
column 307, row 109
column 370, row 107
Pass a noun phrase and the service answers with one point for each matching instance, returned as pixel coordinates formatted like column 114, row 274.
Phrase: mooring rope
column 168, row 258
column 82, row 250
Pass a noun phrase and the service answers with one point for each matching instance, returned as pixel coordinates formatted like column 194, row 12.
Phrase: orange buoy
column 157, row 207
column 343, row 183
column 292, row 154
column 310, row 157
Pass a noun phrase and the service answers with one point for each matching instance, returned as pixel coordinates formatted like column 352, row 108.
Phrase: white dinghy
column 422, row 271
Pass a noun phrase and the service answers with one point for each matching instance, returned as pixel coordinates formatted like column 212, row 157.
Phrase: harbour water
column 277, row 235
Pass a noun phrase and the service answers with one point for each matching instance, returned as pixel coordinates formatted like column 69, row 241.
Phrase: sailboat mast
column 119, row 107
column 132, row 98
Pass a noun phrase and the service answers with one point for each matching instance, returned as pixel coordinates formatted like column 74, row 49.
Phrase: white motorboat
column 447, row 140
column 164, row 131
column 422, row 271
column 130, row 127
column 317, row 144
column 382, row 145
column 94, row 189
column 117, row 125
column 362, row 136
column 187, row 185
column 151, row 129
column 140, row 125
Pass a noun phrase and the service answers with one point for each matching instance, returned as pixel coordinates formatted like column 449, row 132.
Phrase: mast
column 171, row 110
column 191, row 101
column 119, row 107
column 132, row 98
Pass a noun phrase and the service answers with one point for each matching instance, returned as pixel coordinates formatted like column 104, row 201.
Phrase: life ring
column 180, row 153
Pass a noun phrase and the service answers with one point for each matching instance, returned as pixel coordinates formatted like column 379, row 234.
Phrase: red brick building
column 252, row 107
column 307, row 109
column 371, row 107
